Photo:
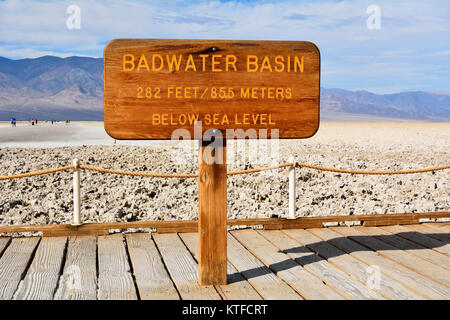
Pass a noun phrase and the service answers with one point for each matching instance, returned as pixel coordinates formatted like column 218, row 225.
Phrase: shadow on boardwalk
column 308, row 254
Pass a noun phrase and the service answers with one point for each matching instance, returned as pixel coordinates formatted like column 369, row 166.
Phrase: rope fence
column 36, row 173
column 76, row 166
column 139, row 174
column 230, row 173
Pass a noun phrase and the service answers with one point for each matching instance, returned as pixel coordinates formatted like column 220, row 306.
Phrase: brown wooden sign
column 155, row 86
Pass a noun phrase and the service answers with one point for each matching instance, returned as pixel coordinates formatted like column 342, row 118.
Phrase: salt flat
column 108, row 197
column 382, row 134
column 46, row 135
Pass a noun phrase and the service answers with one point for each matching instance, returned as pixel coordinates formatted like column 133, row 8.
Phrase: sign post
column 211, row 90
column 212, row 210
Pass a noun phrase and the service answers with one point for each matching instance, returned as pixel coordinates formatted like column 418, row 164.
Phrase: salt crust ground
column 105, row 197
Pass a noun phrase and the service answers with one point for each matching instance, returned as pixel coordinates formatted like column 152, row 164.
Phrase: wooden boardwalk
column 393, row 262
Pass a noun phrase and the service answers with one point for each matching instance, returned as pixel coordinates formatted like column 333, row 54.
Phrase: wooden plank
column 388, row 221
column 237, row 288
column 284, row 93
column 79, row 279
column 306, row 284
column 42, row 277
column 435, row 232
column 414, row 235
column 176, row 225
column 408, row 260
column 432, row 233
column 323, row 219
column 410, row 279
column 304, row 225
column 179, row 230
column 75, row 233
column 152, row 279
column 13, row 264
column 3, row 244
column 212, row 214
column 182, row 268
column 298, row 225
column 405, row 245
column 115, row 281
column 273, row 226
column 442, row 226
column 91, row 227
column 332, row 276
column 362, row 272
column 268, row 285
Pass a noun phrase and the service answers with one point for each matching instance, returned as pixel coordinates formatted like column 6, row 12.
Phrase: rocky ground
column 107, row 197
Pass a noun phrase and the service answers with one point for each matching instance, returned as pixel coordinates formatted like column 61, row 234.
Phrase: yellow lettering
column 187, row 92
column 288, row 93
column 270, row 119
column 169, row 91
column 216, row 118
column 195, row 91
column 173, row 61
column 178, row 91
column 263, row 118
column 128, row 59
column 182, row 119
column 193, row 118
column 266, row 64
column 279, row 63
column 252, row 61
column 225, row 119
column 246, row 119
column 143, row 63
column 214, row 62
column 279, row 94
column 230, row 60
column 297, row 62
column 190, row 64
column 254, row 93
column 156, row 120
column 161, row 62
column 207, row 119
column 263, row 92
column 171, row 120
column 203, row 56
column 165, row 119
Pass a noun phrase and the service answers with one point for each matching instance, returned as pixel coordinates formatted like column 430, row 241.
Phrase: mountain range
column 72, row 88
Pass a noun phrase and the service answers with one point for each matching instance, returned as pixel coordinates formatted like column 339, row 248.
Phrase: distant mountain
column 58, row 88
column 51, row 88
column 416, row 105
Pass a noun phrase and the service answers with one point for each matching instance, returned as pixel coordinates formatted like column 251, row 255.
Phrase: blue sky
column 410, row 51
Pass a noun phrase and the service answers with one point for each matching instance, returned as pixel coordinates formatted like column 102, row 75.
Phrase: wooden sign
column 255, row 89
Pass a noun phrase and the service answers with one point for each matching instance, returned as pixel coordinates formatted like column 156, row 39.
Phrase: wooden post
column 76, row 193
column 212, row 212
column 292, row 193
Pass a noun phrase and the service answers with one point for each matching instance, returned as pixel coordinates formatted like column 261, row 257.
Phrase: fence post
column 292, row 192
column 76, row 193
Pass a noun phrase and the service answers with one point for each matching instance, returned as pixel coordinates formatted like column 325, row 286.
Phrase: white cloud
column 28, row 28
